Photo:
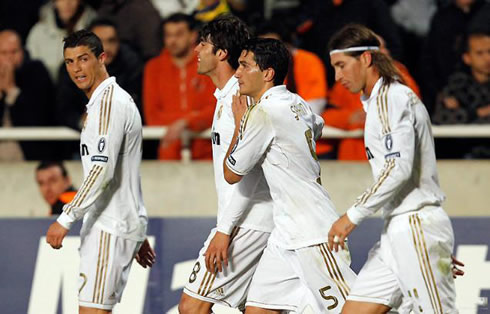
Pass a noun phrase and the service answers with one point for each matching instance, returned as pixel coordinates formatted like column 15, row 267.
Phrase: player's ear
column 222, row 54
column 366, row 58
column 269, row 75
column 466, row 58
column 102, row 58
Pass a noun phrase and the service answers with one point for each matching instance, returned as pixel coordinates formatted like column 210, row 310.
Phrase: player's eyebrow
column 338, row 63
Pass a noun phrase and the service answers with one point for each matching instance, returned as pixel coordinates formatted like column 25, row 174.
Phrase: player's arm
column 398, row 146
column 240, row 109
column 104, row 152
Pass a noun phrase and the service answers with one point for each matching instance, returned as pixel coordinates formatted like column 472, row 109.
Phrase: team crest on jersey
column 388, row 142
column 101, row 145
column 220, row 111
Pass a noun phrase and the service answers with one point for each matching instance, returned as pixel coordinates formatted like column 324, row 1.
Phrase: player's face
column 206, row 58
column 52, row 183
column 110, row 41
column 348, row 72
column 250, row 77
column 178, row 38
column 478, row 55
column 84, row 68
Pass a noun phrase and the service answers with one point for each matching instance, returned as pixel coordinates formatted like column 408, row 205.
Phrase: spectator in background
column 328, row 16
column 55, row 185
column 466, row 97
column 169, row 7
column 443, row 46
column 348, row 113
column 138, row 24
column 26, row 95
column 121, row 62
column 174, row 95
column 58, row 18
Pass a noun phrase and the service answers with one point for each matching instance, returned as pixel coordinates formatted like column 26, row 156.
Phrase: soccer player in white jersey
column 235, row 246
column 109, row 200
column 278, row 132
column 413, row 256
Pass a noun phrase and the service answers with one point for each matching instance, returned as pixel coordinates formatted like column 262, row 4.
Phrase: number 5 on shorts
column 329, row 297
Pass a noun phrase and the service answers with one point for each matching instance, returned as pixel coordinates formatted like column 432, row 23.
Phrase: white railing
column 155, row 133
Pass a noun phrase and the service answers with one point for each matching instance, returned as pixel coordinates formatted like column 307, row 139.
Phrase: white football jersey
column 110, row 147
column 247, row 204
column 279, row 133
column 400, row 148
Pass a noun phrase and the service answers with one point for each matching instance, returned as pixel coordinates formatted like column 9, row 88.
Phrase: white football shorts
column 105, row 262
column 284, row 276
column 229, row 287
column 413, row 258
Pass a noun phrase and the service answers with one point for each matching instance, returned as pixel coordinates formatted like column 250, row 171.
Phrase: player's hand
column 146, row 256
column 339, row 231
column 239, row 107
column 216, row 256
column 55, row 235
column 456, row 271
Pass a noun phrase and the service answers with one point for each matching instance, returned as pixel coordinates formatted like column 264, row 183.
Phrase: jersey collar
column 366, row 100
column 229, row 87
column 278, row 88
column 108, row 81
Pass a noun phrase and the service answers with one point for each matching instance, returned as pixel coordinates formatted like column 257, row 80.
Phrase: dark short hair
column 228, row 33
column 84, row 38
column 45, row 164
column 178, row 18
column 270, row 53
column 102, row 21
column 473, row 33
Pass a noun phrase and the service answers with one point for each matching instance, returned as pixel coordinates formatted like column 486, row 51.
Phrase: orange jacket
column 311, row 83
column 348, row 103
column 171, row 93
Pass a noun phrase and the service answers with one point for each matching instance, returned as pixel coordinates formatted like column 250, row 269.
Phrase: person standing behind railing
column 174, row 95
column 26, row 97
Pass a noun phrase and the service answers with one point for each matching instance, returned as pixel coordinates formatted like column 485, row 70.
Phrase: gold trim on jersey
column 389, row 165
column 244, row 120
column 87, row 185
column 105, row 110
column 342, row 280
column 332, row 272
column 382, row 108
column 424, row 262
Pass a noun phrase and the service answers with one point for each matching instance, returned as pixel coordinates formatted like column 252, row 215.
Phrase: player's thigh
column 355, row 307
column 376, row 283
column 229, row 287
column 193, row 305
column 422, row 244
column 327, row 274
column 275, row 285
column 105, row 262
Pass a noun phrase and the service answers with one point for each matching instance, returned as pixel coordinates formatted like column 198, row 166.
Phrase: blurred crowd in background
column 441, row 48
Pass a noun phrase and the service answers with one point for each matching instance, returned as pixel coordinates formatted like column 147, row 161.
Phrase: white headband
column 363, row 48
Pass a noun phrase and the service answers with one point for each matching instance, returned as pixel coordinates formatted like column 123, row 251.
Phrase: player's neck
column 222, row 75
column 480, row 77
column 104, row 75
column 371, row 80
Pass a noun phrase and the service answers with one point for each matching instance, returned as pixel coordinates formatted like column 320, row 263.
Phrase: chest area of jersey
column 223, row 126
